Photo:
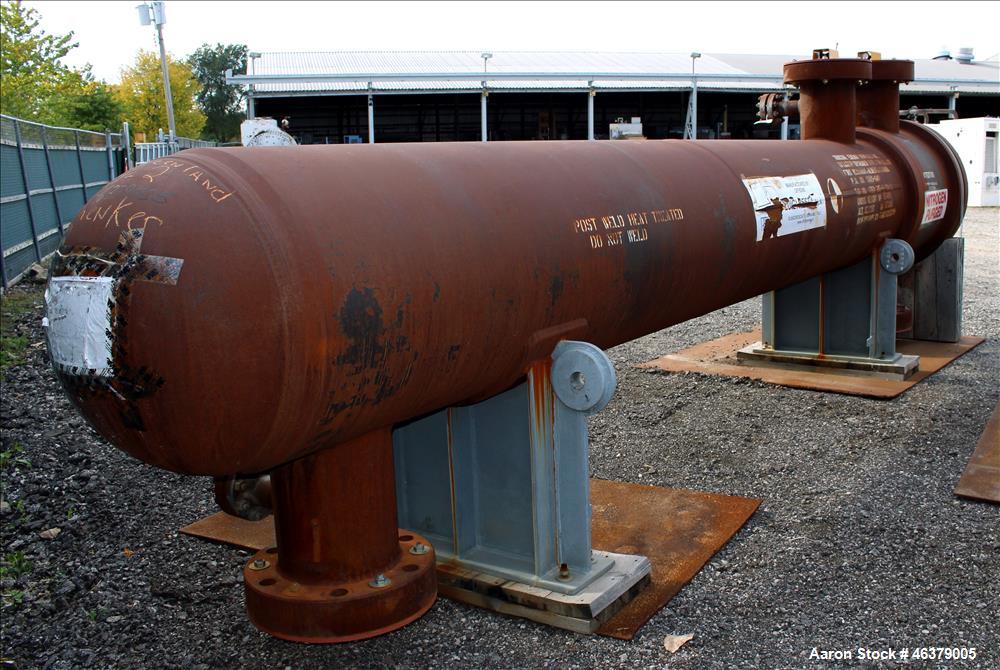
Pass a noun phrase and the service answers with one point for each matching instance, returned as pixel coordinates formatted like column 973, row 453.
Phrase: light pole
column 155, row 13
column 694, row 97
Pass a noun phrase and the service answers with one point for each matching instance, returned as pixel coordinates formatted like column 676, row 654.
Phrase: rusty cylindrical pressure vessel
column 261, row 305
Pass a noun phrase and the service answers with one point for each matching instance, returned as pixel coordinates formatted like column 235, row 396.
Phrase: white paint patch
column 836, row 195
column 786, row 205
column 78, row 323
column 935, row 205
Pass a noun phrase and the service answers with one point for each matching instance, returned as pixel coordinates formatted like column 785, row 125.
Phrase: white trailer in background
column 976, row 142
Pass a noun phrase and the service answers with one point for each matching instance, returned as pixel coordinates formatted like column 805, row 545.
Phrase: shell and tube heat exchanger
column 280, row 310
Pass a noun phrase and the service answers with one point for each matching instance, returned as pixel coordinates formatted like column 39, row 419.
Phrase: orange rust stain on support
column 822, row 310
column 451, row 483
column 540, row 374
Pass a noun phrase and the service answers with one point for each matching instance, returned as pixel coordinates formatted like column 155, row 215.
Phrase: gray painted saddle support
column 845, row 318
column 502, row 486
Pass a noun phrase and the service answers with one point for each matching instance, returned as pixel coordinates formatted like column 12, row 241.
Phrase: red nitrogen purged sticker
column 935, row 204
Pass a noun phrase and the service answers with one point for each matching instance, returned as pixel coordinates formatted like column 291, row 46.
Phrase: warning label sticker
column 79, row 323
column 786, row 205
column 935, row 205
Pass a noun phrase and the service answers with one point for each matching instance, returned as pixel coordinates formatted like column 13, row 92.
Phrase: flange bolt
column 564, row 572
column 380, row 582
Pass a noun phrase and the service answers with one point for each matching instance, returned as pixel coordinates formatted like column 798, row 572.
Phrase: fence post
column 27, row 190
column 127, row 145
column 52, row 180
column 79, row 161
column 111, row 155
column 3, row 270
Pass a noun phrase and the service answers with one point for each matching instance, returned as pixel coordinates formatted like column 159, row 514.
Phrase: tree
column 35, row 83
column 221, row 102
column 141, row 96
column 88, row 104
column 30, row 65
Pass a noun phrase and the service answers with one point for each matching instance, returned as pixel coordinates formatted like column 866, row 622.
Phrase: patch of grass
column 12, row 597
column 12, row 351
column 14, row 457
column 12, row 346
column 19, row 301
column 14, row 564
column 96, row 614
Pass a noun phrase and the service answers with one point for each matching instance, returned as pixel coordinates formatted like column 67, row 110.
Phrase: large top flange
column 892, row 70
column 828, row 69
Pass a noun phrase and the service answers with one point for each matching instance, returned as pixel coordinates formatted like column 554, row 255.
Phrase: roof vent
column 943, row 54
column 964, row 55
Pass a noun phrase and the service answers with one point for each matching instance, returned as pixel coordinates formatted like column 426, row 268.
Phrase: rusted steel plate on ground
column 677, row 530
column 981, row 479
column 718, row 357
column 229, row 529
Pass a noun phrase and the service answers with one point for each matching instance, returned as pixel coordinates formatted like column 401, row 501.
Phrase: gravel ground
column 859, row 541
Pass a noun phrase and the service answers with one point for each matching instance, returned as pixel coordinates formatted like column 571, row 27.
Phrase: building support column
column 590, row 112
column 371, row 117
column 482, row 113
column 694, row 109
column 251, row 70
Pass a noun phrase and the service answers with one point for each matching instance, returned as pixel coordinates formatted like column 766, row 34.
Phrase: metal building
column 334, row 97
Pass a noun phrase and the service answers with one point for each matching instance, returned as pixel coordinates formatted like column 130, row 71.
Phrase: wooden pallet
column 584, row 612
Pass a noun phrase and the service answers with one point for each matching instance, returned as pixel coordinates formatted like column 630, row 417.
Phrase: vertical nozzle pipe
column 317, row 504
column 878, row 100
column 827, row 105
column 341, row 569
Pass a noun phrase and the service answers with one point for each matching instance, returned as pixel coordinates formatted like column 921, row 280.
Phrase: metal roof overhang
column 535, row 82
column 366, row 77
column 320, row 93
column 361, row 88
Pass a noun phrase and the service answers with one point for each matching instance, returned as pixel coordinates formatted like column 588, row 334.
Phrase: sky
column 109, row 33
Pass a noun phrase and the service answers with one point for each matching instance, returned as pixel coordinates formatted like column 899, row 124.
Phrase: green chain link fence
column 46, row 175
